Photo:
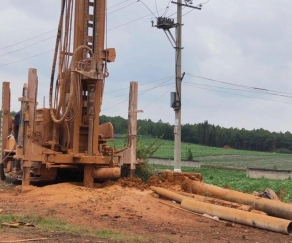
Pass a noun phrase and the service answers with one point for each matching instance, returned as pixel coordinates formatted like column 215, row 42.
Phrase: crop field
column 237, row 180
column 219, row 156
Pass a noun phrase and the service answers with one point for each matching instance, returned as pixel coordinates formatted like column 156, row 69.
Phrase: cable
column 118, row 4
column 115, row 105
column 27, row 39
column 239, row 94
column 28, row 46
column 147, row 8
column 121, row 8
column 250, row 91
column 156, row 7
column 240, row 85
column 166, row 9
column 27, row 58
column 140, row 84
column 157, row 98
column 142, row 91
column 158, row 86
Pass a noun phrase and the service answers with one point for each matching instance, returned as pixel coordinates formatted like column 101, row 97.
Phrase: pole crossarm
column 186, row 5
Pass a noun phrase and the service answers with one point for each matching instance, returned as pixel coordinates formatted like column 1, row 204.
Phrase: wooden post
column 5, row 122
column 132, row 116
column 29, row 118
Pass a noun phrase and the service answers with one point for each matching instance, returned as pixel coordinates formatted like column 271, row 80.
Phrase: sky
column 237, row 58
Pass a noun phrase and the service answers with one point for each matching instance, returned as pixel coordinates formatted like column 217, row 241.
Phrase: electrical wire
column 27, row 58
column 147, row 8
column 140, row 84
column 142, row 91
column 121, row 8
column 166, row 9
column 238, row 94
column 156, row 7
column 285, row 94
column 249, row 91
column 117, row 4
column 157, row 98
column 28, row 46
column 27, row 39
column 115, row 105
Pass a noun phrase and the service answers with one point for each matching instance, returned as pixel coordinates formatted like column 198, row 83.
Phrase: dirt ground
column 125, row 206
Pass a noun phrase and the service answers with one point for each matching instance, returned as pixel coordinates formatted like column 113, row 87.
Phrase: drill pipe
column 230, row 214
column 106, row 173
column 247, row 218
column 271, row 207
column 169, row 194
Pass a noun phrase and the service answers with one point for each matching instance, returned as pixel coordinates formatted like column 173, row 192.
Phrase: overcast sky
column 245, row 43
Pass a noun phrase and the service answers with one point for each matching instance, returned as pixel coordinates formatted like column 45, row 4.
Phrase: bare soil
column 127, row 206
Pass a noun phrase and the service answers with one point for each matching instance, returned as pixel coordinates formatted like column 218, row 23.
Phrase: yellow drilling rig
column 68, row 135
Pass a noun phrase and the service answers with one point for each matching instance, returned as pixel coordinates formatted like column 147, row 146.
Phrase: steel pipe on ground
column 255, row 220
column 271, row 207
column 169, row 194
column 106, row 173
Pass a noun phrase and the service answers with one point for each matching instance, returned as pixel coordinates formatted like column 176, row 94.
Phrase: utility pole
column 177, row 125
column 166, row 24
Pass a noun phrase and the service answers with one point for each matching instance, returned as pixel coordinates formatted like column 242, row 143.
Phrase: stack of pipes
column 279, row 214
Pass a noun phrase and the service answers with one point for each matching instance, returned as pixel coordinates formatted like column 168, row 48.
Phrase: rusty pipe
column 271, row 207
column 234, row 215
column 169, row 194
column 105, row 173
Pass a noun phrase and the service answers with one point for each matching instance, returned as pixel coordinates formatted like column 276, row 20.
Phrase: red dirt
column 126, row 206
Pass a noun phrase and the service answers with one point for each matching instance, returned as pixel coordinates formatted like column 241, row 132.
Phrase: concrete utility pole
column 166, row 24
column 177, row 125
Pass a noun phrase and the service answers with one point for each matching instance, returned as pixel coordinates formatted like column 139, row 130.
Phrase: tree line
column 210, row 135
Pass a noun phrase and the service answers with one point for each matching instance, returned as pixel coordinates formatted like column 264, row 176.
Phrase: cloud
column 245, row 43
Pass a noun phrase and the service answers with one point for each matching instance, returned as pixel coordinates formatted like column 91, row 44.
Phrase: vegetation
column 218, row 156
column 145, row 171
column 52, row 224
column 210, row 135
column 237, row 180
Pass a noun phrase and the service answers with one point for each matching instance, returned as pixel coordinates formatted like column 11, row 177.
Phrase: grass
column 219, row 156
column 52, row 224
column 237, row 180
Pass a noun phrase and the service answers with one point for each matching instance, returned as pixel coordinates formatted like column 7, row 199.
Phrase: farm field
column 237, row 180
column 219, row 156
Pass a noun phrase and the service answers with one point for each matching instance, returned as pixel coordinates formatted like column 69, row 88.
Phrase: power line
column 117, row 4
column 166, row 9
column 238, row 94
column 238, row 85
column 157, row 86
column 142, row 91
column 242, row 90
column 147, row 8
column 157, row 98
column 55, row 29
column 122, row 8
column 115, row 105
column 156, row 7
column 140, row 84
column 27, row 46
column 27, row 58
column 27, row 39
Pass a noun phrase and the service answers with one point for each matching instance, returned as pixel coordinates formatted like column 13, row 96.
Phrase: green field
column 219, row 156
column 237, row 180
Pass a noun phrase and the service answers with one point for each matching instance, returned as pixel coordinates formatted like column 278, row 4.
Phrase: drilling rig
column 67, row 134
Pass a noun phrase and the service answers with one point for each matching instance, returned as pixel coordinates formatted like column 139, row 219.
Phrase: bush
column 145, row 171
column 283, row 151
